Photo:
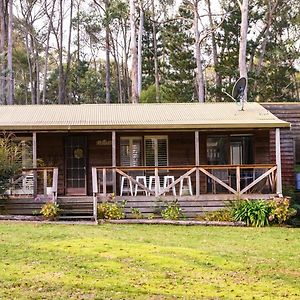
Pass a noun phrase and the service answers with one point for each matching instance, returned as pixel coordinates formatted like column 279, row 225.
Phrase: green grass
column 41, row 261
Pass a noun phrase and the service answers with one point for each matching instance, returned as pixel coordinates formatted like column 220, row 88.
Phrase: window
column 233, row 149
column 241, row 149
column 131, row 151
column 156, row 150
column 217, row 150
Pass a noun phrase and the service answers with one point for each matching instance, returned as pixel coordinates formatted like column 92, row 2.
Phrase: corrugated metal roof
column 136, row 116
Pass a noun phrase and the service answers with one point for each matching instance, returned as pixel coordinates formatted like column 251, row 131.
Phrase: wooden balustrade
column 26, row 183
column 242, row 184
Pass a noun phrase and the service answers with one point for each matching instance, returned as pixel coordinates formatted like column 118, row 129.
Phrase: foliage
column 136, row 213
column 281, row 210
column 111, row 211
column 172, row 211
column 50, row 210
column 179, row 68
column 223, row 215
column 149, row 95
column 252, row 212
column 10, row 160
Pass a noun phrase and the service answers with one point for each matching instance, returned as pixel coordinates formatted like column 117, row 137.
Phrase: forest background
column 116, row 51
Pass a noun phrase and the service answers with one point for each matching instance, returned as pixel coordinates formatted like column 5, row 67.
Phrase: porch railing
column 213, row 179
column 35, row 182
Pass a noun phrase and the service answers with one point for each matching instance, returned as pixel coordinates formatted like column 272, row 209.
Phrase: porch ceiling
column 137, row 116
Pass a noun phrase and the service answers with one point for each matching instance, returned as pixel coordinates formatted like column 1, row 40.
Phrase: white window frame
column 131, row 138
column 156, row 137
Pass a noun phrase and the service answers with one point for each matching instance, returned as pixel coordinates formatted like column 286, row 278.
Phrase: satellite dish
column 238, row 91
column 239, row 88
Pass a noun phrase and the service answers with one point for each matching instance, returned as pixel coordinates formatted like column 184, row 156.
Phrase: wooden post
column 94, row 180
column 34, row 163
column 55, row 183
column 238, row 180
column 95, row 192
column 45, row 182
column 197, row 162
column 157, row 184
column 114, row 161
column 278, row 163
column 104, row 181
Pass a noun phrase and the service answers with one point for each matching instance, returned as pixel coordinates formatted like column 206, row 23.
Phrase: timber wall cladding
column 50, row 149
column 289, row 112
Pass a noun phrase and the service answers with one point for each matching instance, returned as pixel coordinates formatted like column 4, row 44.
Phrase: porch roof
column 137, row 116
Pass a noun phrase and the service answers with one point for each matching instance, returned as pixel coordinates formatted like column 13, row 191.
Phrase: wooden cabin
column 200, row 154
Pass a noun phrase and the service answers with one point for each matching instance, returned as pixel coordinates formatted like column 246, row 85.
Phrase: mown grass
column 41, row 261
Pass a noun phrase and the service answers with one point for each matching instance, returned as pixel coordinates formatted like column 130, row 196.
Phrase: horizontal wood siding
column 50, row 152
column 289, row 112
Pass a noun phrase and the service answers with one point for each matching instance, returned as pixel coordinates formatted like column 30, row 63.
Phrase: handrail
column 186, row 167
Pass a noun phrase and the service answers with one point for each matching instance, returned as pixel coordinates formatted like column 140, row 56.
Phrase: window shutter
column 150, row 152
column 125, row 152
column 136, row 159
column 130, row 152
column 162, row 152
column 156, row 151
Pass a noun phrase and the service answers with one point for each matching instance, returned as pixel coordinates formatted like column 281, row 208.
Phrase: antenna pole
column 228, row 95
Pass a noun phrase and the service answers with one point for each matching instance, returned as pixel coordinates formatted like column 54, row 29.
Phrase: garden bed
column 175, row 222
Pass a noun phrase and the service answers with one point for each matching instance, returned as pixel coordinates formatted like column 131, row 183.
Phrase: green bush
column 111, row 211
column 10, row 161
column 172, row 211
column 280, row 210
column 252, row 212
column 136, row 213
column 50, row 210
column 224, row 215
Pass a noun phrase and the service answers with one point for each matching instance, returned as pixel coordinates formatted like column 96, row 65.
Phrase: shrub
column 252, row 212
column 172, row 211
column 136, row 213
column 224, row 215
column 111, row 211
column 50, row 210
column 10, row 161
column 280, row 210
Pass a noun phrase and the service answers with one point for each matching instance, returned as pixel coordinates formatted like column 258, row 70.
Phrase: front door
column 76, row 161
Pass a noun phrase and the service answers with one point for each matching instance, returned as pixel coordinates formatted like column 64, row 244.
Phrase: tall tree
column 3, row 40
column 179, row 43
column 244, row 7
column 198, row 56
column 10, row 96
column 134, row 54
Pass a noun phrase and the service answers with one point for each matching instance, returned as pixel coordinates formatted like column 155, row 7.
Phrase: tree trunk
column 218, row 78
column 243, row 44
column 47, row 51
column 140, row 40
column 61, row 88
column 10, row 97
column 199, row 75
column 2, row 53
column 155, row 56
column 134, row 56
column 107, row 61
column 67, row 71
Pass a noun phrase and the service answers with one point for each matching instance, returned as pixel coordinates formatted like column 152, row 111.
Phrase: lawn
column 42, row 261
